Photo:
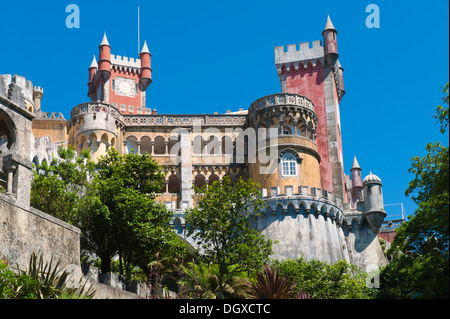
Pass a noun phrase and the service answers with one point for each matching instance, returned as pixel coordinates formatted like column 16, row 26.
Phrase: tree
column 221, row 226
column 111, row 201
column 420, row 248
column 133, row 223
column 61, row 188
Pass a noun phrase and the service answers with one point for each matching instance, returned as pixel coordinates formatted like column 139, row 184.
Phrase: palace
column 289, row 142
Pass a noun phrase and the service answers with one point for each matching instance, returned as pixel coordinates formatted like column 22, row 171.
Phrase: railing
column 391, row 225
column 290, row 190
column 281, row 99
column 160, row 120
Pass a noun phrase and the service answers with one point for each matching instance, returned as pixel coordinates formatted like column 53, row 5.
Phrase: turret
column 329, row 41
column 104, row 61
column 356, row 174
column 92, row 71
column 373, row 202
column 145, row 77
column 38, row 92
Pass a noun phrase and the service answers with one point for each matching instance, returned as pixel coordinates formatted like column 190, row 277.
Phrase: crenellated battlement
column 38, row 89
column 305, row 52
column 57, row 116
column 25, row 85
column 290, row 190
column 125, row 61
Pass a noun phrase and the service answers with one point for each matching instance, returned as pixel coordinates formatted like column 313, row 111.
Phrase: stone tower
column 315, row 72
column 15, row 136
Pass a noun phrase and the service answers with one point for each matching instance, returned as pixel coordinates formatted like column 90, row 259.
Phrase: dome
column 371, row 178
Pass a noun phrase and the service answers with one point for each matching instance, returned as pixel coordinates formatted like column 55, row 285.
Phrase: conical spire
column 104, row 41
column 145, row 48
column 94, row 63
column 329, row 25
column 355, row 164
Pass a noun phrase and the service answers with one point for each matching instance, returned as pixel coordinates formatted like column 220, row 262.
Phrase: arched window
column 288, row 165
column 7, row 132
column 174, row 184
column 160, row 145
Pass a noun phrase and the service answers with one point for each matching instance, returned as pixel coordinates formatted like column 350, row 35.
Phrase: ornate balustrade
column 281, row 99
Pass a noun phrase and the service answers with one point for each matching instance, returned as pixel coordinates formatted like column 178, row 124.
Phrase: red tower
column 315, row 72
column 120, row 81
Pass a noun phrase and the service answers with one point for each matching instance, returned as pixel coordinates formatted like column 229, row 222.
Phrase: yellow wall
column 55, row 129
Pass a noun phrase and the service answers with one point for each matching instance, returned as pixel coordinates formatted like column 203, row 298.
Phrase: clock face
column 125, row 87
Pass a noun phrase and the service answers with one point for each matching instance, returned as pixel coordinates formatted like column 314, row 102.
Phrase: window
column 136, row 89
column 288, row 165
column 113, row 86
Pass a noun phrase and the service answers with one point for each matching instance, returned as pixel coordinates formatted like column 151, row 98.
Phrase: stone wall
column 309, row 235
column 363, row 244
column 23, row 232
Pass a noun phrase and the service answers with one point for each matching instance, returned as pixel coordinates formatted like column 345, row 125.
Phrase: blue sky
column 212, row 56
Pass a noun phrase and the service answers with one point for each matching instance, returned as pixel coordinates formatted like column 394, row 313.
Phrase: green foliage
column 382, row 244
column 41, row 281
column 271, row 284
column 221, row 226
column 112, row 202
column 321, row 280
column 13, row 286
column 442, row 110
column 202, row 281
column 127, row 220
column 420, row 248
column 60, row 189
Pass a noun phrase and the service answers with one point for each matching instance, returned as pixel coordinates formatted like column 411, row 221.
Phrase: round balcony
column 284, row 115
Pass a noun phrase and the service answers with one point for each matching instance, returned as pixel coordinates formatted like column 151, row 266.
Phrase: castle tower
column 15, row 136
column 315, row 72
column 120, row 81
column 38, row 92
column 286, row 155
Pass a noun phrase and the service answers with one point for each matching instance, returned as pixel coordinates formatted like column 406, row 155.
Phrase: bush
column 321, row 280
column 41, row 281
